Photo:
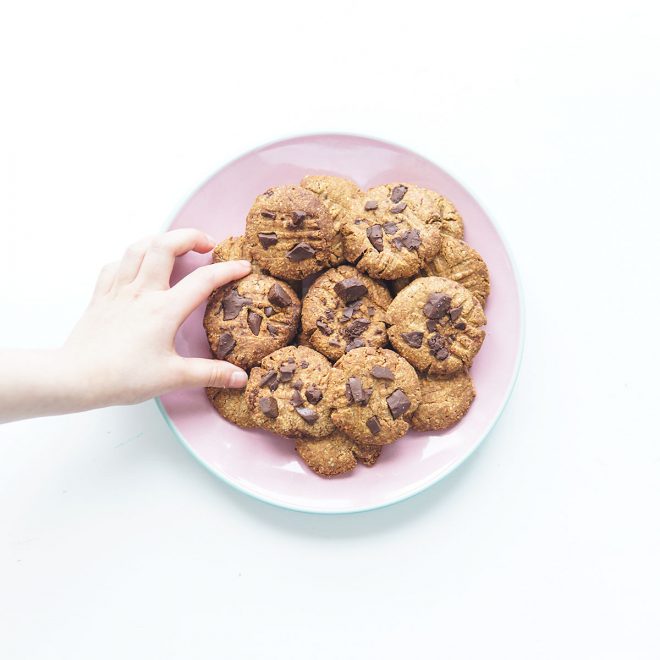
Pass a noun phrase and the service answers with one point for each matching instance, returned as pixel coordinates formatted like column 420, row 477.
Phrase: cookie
column 373, row 393
column 444, row 401
column 287, row 393
column 248, row 319
column 335, row 454
column 436, row 324
column 233, row 248
column 289, row 232
column 390, row 236
column 344, row 309
column 338, row 195
column 232, row 405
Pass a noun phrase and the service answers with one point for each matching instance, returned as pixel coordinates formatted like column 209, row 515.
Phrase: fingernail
column 238, row 379
column 247, row 264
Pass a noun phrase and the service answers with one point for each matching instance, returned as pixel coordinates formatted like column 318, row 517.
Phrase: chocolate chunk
column 272, row 329
column 431, row 325
column 267, row 239
column 334, row 342
column 375, row 236
column 233, row 303
column 411, row 239
column 437, row 347
column 269, row 192
column 297, row 218
column 286, row 371
column 304, row 364
column 274, row 385
column 383, row 373
column 355, row 387
column 297, row 384
column 391, row 227
column 349, row 396
column 269, row 311
column 455, row 313
column 370, row 205
column 346, row 314
column 397, row 193
column 268, row 406
column 397, row 242
column 358, row 221
column 278, row 296
column 350, row 289
column 254, row 322
column 329, row 314
column 373, row 425
column 398, row 208
column 356, row 343
column 300, row 252
column 314, row 394
column 357, row 327
column 309, row 415
column 268, row 214
column 460, row 325
column 413, row 339
column 296, row 398
column 371, row 310
column 324, row 327
column 226, row 343
column 398, row 403
column 368, row 391
column 268, row 377
column 437, row 305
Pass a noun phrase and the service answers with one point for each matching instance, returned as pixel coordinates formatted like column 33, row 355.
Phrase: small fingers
column 132, row 260
column 196, row 287
column 106, row 279
column 156, row 267
column 200, row 372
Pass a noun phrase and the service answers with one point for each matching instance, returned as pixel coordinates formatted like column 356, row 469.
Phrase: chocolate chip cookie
column 233, row 248
column 335, row 454
column 343, row 310
column 339, row 196
column 232, row 405
column 444, row 401
column 289, row 232
column 287, row 393
column 391, row 236
column 374, row 393
column 436, row 324
column 248, row 319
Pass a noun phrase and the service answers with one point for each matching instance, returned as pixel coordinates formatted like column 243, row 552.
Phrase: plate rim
column 435, row 477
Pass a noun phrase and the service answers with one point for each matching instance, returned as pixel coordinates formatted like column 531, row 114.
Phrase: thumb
column 200, row 372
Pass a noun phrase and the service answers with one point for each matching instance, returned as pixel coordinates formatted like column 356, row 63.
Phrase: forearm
column 34, row 383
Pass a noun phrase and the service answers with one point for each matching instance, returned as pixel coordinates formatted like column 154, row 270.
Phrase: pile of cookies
column 339, row 275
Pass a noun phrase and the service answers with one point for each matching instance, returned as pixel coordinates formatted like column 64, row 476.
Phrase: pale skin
column 122, row 349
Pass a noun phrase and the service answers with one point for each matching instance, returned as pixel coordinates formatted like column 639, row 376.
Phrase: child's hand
column 122, row 349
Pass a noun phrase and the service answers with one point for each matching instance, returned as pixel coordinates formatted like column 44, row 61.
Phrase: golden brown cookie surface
column 444, row 401
column 289, row 232
column 457, row 261
column 335, row 454
column 232, row 405
column 344, row 309
column 373, row 392
column 287, row 393
column 436, row 324
column 338, row 195
column 248, row 319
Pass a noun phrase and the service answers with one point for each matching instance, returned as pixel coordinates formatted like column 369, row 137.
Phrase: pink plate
column 267, row 467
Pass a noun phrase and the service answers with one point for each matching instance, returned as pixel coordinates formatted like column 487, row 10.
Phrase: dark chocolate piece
column 437, row 305
column 397, row 193
column 278, row 296
column 390, row 227
column 350, row 289
column 355, row 343
column 413, row 339
column 267, row 239
column 301, row 252
column 269, row 214
column 357, row 327
column 375, row 236
column 370, row 205
column 254, row 322
column 304, row 364
column 297, row 218
column 286, row 371
column 324, row 327
column 412, row 239
column 314, row 394
column 226, row 343
column 455, row 313
column 296, row 398
column 269, row 311
column 233, row 303
column 398, row 208
column 309, row 415
column 355, row 387
column 269, row 407
column 268, row 377
column 398, row 403
column 272, row 329
column 382, row 373
column 460, row 325
column 438, row 347
column 373, row 425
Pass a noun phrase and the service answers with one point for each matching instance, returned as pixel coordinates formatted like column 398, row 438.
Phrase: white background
column 114, row 543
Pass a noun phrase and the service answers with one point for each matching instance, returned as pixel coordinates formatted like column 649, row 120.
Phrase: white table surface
column 114, row 543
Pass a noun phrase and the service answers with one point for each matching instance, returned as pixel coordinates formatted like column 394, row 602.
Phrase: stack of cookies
column 359, row 321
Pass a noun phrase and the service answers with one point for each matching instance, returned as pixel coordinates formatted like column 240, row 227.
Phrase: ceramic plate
column 266, row 466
